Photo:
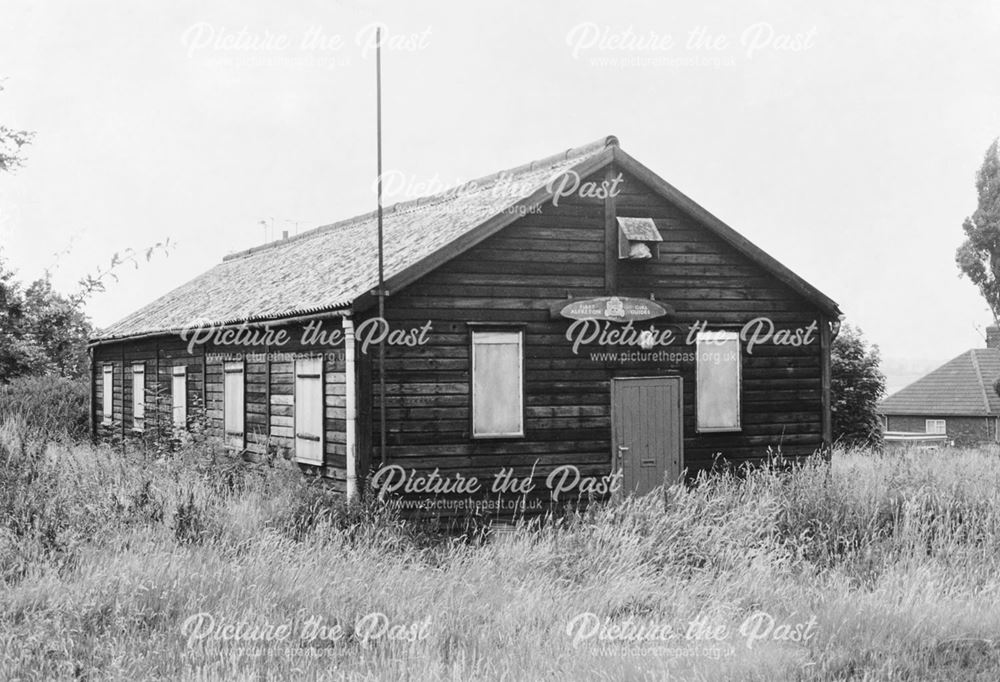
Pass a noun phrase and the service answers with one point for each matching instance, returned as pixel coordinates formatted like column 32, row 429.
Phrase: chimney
column 284, row 235
column 993, row 337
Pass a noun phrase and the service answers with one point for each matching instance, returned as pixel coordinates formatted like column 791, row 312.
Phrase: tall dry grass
column 104, row 556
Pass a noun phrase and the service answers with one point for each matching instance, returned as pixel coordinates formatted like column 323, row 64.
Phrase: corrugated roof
column 328, row 267
column 962, row 386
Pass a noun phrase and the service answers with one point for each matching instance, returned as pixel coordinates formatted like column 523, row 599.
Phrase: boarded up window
column 107, row 394
column 497, row 391
column 718, row 383
column 233, row 403
column 309, row 410
column 138, row 396
column 178, row 393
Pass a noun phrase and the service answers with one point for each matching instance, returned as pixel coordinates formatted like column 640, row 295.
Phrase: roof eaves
column 340, row 308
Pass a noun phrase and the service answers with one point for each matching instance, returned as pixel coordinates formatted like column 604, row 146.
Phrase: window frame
column 493, row 328
column 942, row 422
column 139, row 397
column 107, row 394
column 178, row 371
column 726, row 334
column 229, row 438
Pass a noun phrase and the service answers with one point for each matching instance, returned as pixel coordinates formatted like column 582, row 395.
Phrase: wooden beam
column 267, row 397
column 825, row 343
column 92, row 418
column 610, row 235
column 123, row 393
column 158, row 395
column 350, row 412
column 204, row 386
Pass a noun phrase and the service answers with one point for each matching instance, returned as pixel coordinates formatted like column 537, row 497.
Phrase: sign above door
column 613, row 308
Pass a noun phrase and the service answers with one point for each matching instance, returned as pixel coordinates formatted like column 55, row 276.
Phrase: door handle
column 622, row 449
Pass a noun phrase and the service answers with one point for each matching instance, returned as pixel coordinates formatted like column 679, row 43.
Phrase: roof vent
column 638, row 239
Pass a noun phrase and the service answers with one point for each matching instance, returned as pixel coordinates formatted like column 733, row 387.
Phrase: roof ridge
column 979, row 378
column 480, row 183
column 940, row 390
column 934, row 371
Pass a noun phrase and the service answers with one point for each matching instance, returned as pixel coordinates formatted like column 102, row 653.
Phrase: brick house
column 957, row 399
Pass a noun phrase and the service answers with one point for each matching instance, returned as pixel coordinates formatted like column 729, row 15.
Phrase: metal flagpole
column 381, row 265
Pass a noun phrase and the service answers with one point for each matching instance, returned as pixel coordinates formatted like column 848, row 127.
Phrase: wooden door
column 647, row 432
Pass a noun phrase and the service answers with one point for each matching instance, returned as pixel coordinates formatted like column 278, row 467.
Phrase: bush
column 856, row 386
column 54, row 406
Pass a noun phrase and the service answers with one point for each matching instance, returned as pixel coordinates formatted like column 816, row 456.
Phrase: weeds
column 103, row 556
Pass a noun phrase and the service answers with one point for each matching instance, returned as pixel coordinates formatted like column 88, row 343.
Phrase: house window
column 107, row 394
column 718, row 381
column 309, row 410
column 178, row 393
column 497, row 384
column 233, row 402
column 139, row 396
column 934, row 426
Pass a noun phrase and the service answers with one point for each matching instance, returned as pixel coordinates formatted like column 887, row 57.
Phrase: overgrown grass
column 47, row 406
column 104, row 557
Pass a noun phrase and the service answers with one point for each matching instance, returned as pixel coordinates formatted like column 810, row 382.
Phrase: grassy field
column 872, row 567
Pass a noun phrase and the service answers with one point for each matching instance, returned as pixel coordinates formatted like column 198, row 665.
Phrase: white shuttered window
column 497, row 384
column 138, row 396
column 718, row 381
column 108, row 395
column 309, row 410
column 178, row 394
column 233, row 402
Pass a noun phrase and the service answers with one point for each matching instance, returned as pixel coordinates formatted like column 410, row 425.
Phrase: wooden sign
column 614, row 308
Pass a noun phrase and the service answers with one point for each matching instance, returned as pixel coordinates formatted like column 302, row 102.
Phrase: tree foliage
column 12, row 142
column 41, row 331
column 44, row 332
column 978, row 257
column 856, row 386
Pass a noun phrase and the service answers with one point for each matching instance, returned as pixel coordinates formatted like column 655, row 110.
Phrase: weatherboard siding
column 517, row 275
column 512, row 277
column 268, row 392
column 704, row 278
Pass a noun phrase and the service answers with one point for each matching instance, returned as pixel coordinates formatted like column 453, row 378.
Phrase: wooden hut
column 575, row 314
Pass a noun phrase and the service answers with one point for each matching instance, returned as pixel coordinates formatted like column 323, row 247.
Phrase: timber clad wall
column 706, row 279
column 514, row 277
column 268, row 397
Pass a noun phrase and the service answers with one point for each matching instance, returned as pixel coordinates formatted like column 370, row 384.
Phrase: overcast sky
column 842, row 139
